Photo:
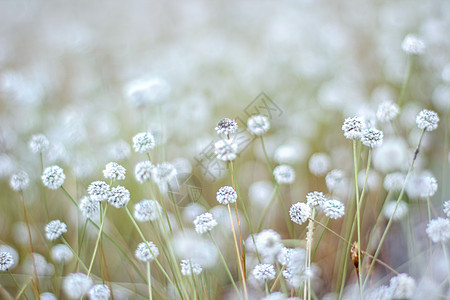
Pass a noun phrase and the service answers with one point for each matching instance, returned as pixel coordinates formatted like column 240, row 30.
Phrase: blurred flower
column 387, row 111
column 402, row 210
column 258, row 125
column 427, row 119
column 447, row 208
column 259, row 192
column 89, row 207
column 53, row 177
column 143, row 92
column 268, row 244
column 147, row 210
column 402, row 286
column 99, row 292
column 60, row 253
column 120, row 150
column 225, row 149
column 76, row 285
column 226, row 195
column 394, row 181
column 146, row 251
column 143, row 171
column 143, row 142
column 114, row 171
column 204, row 223
column 19, row 181
column 430, row 187
column 54, row 229
column 188, row 267
column 163, row 173
column 48, row 296
column 299, row 212
column 226, row 127
column 438, row 230
column 319, row 164
column 413, row 45
column 39, row 143
column 284, row 174
column 119, row 196
column 99, row 191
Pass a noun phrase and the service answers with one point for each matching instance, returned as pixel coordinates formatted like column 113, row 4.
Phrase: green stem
column 149, row 276
column 21, row 291
column 405, row 80
column 358, row 215
column 320, row 239
column 97, row 242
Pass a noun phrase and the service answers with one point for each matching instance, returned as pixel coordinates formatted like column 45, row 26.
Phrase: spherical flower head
column 284, row 174
column 54, row 229
column 402, row 286
column 226, row 127
column 387, row 111
column 394, row 181
column 189, row 267
column 264, row 272
column 99, row 190
column 268, row 243
column 335, row 179
column 353, row 128
column 53, row 177
column 333, row 209
column 120, row 150
column 258, row 125
column 314, row 199
column 6, row 261
column 39, row 143
column 292, row 257
column 225, row 150
column 438, row 230
column 413, row 45
column 204, row 223
column 76, row 285
column 89, row 207
column 119, row 196
column 147, row 210
column 430, row 187
column 226, row 195
column 19, row 181
column 427, row 119
column 319, row 164
column 99, row 292
column 114, row 171
column 143, row 142
column 163, row 173
column 447, row 208
column 146, row 251
column 47, row 296
column 372, row 137
column 402, row 210
column 143, row 171
column 299, row 212
column 60, row 253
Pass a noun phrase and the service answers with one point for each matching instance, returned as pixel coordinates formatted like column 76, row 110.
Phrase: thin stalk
column 149, row 278
column 266, row 209
column 225, row 265
column 377, row 252
column 22, row 291
column 239, row 223
column 74, row 253
column 405, row 79
column 97, row 242
column 269, row 165
column 17, row 284
column 358, row 215
column 320, row 239
column 309, row 237
column 444, row 249
column 41, row 159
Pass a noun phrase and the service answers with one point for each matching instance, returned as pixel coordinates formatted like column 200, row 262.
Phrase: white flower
column 143, row 142
column 299, row 212
column 226, row 127
column 19, row 181
column 372, row 137
column 204, row 223
column 39, row 143
column 163, row 173
column 48, row 296
column 438, row 230
column 264, row 272
column 284, row 174
column 258, row 125
column 447, row 208
column 54, row 229
column 147, row 91
column 314, row 199
column 430, row 187
column 119, row 196
column 76, row 285
column 60, row 253
column 353, row 128
column 53, row 177
column 143, row 171
column 319, row 164
column 387, row 111
column 114, row 171
column 402, row 210
column 268, row 243
column 427, row 119
column 99, row 190
column 188, row 267
column 333, row 209
column 394, row 181
column 226, row 195
column 225, row 150
column 147, row 210
column 402, row 286
column 99, row 292
column 6, row 261
column 413, row 45
column 146, row 251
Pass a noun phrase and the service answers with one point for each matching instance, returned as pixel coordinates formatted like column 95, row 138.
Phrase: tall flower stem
column 383, row 237
column 242, row 258
column 17, row 285
column 358, row 215
column 149, row 278
column 97, row 242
